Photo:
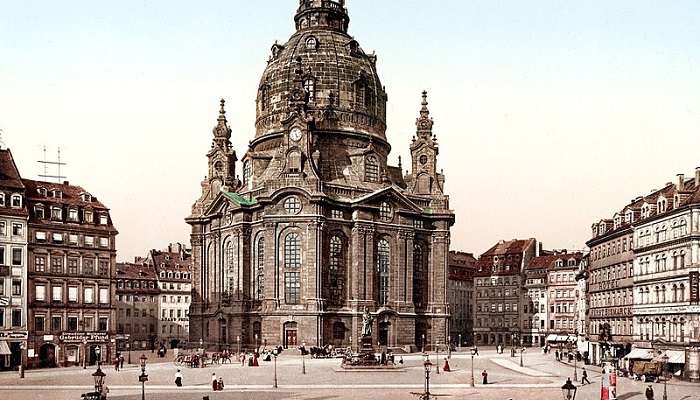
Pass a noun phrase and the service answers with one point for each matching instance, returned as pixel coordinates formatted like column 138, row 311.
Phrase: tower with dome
column 317, row 226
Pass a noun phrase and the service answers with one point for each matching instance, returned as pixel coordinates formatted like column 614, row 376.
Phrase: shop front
column 71, row 349
column 12, row 343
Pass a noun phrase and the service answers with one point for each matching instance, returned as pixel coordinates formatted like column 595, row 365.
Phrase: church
column 318, row 226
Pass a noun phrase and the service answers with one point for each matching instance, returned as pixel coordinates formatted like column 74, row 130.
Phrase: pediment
column 390, row 194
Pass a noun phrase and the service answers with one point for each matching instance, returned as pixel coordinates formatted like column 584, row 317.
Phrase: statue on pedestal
column 367, row 321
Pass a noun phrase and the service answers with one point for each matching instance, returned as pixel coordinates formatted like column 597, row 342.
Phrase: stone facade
column 460, row 294
column 137, row 306
column 535, row 300
column 498, row 285
column 563, row 291
column 13, row 264
column 321, row 226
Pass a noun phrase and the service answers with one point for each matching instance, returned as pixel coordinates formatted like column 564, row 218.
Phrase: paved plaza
column 540, row 378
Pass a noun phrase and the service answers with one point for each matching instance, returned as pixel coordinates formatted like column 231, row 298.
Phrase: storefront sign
column 30, row 353
column 48, row 338
column 694, row 290
column 13, row 335
column 84, row 337
column 666, row 310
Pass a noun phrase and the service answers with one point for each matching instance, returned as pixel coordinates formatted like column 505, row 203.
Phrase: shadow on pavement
column 628, row 395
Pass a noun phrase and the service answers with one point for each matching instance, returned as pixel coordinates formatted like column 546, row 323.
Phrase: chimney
column 680, row 185
column 697, row 177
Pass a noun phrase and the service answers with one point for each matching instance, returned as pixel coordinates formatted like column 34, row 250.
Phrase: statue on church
column 367, row 320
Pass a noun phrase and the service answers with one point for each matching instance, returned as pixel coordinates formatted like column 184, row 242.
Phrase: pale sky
column 550, row 114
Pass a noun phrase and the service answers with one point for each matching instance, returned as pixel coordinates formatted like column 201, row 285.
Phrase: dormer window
column 629, row 217
column 73, row 215
column 645, row 211
column 572, row 263
column 311, row 43
column 162, row 274
column 559, row 263
column 86, row 197
column 2, row 199
column 676, row 201
column 87, row 216
column 57, row 194
column 16, row 201
column 103, row 219
column 661, row 205
column 42, row 191
column 39, row 212
column 56, row 214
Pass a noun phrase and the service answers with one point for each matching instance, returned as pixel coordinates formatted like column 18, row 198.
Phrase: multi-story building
column 322, row 226
column 173, row 267
column 497, row 288
column 535, row 297
column 137, row 303
column 13, row 264
column 71, row 275
column 460, row 295
column 582, row 305
column 562, row 291
column 610, row 284
column 667, row 268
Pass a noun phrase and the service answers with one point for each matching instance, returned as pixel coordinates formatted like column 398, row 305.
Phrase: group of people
column 118, row 362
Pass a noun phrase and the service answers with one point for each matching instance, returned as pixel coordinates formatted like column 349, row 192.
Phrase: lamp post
column 256, row 342
column 459, row 345
column 437, row 357
column 569, row 390
column 575, row 368
column 99, row 378
column 303, row 358
column 427, row 365
column 98, row 353
column 128, row 347
column 238, row 343
column 274, row 355
column 449, row 347
column 471, row 381
column 84, row 353
column 143, row 378
column 422, row 343
column 663, row 372
column 522, row 350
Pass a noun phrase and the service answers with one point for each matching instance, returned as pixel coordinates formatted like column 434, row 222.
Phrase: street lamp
column 427, row 365
column 98, row 352
column 522, row 350
column 303, row 358
column 274, row 354
column 143, row 378
column 256, row 342
column 238, row 343
column 99, row 378
column 569, row 390
column 459, row 345
column 449, row 347
column 437, row 357
column 422, row 343
column 84, row 353
column 663, row 372
column 471, row 381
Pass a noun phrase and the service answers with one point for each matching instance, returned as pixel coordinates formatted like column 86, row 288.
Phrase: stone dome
column 327, row 67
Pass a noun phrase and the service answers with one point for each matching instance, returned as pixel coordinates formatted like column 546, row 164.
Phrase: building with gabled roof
column 460, row 295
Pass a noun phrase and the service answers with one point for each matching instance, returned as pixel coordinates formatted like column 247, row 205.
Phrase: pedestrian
column 584, row 377
column 400, row 360
column 556, row 355
column 214, row 382
column 116, row 364
column 121, row 361
column 446, row 367
column 221, row 383
column 485, row 377
column 649, row 393
column 382, row 358
column 178, row 378
column 475, row 350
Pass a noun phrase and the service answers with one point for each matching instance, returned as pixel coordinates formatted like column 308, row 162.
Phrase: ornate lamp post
column 99, row 378
column 427, row 365
column 98, row 353
column 274, row 354
column 663, row 372
column 143, row 378
column 569, row 390
column 303, row 358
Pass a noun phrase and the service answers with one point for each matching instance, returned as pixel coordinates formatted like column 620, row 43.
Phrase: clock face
column 295, row 134
column 423, row 159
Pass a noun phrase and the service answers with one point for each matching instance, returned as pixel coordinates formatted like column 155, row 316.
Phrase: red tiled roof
column 9, row 174
column 171, row 261
column 70, row 194
column 548, row 261
column 515, row 246
column 136, row 271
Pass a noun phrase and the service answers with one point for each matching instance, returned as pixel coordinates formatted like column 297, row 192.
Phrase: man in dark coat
column 649, row 393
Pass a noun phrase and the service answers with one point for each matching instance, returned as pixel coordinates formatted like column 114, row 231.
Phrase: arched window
column 292, row 263
column 230, row 267
column 675, row 293
column 420, row 284
column 681, row 293
column 371, row 169
column 383, row 254
column 246, row 171
column 336, row 273
column 260, row 271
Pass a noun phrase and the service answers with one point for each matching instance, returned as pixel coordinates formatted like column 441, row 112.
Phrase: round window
column 292, row 205
column 311, row 43
column 423, row 159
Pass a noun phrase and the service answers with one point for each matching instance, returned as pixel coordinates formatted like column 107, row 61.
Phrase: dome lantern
column 328, row 14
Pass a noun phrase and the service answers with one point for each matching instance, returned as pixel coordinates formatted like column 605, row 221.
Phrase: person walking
column 446, row 367
column 116, row 364
column 649, row 393
column 121, row 361
column 475, row 350
column 214, row 382
column 485, row 378
column 178, row 378
column 584, row 377
column 220, row 384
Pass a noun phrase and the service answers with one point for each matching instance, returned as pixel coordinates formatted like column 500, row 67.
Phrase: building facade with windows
column 498, row 292
column 562, row 294
column 460, row 295
column 71, row 290
column 666, row 269
column 173, row 267
column 13, row 264
column 137, row 306
column 610, row 284
column 582, row 306
column 535, row 301
column 321, row 225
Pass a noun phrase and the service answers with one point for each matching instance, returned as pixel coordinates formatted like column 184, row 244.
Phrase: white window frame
column 40, row 292
column 88, row 295
column 72, row 294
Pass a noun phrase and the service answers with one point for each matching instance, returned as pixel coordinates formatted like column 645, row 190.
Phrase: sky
column 550, row 115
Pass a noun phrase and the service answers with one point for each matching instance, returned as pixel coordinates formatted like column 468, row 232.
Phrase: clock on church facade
column 320, row 226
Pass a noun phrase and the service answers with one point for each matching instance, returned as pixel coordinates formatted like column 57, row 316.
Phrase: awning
column 640, row 354
column 551, row 338
column 4, row 348
column 674, row 356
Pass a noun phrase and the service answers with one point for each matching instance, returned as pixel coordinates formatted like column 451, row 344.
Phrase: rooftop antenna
column 2, row 142
column 58, row 164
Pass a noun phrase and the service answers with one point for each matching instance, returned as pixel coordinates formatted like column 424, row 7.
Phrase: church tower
column 424, row 178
